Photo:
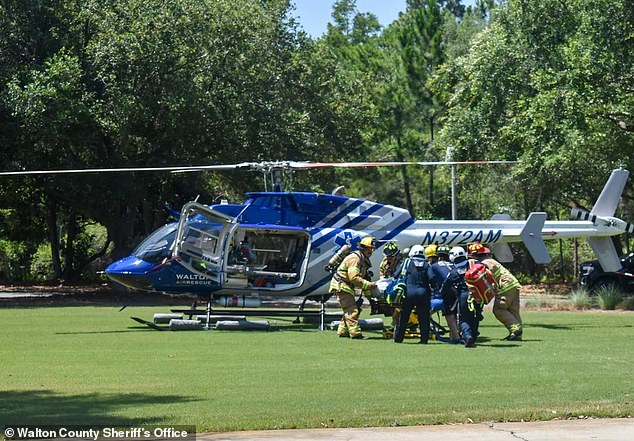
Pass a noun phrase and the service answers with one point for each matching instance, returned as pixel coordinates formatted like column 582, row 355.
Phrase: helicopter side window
column 158, row 245
column 202, row 239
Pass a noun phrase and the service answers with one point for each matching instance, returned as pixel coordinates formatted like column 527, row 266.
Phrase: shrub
column 545, row 302
column 628, row 303
column 580, row 299
column 15, row 260
column 538, row 303
column 609, row 297
column 88, row 241
column 42, row 263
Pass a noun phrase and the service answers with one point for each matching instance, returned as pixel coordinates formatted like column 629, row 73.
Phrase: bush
column 580, row 299
column 538, row 303
column 609, row 297
column 15, row 260
column 628, row 303
column 42, row 263
column 88, row 241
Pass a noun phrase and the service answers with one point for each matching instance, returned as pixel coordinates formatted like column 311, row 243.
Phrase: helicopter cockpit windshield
column 158, row 245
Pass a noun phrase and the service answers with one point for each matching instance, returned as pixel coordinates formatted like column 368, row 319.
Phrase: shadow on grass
column 97, row 332
column 45, row 407
column 498, row 345
column 550, row 326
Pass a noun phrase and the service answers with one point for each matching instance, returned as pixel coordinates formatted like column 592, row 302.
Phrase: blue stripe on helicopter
column 389, row 236
column 397, row 230
column 363, row 216
column 315, row 286
column 359, row 218
column 342, row 214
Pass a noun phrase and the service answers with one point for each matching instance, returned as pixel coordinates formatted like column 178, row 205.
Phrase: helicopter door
column 202, row 240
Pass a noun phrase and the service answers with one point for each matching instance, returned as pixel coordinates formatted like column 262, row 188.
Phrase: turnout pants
column 507, row 309
column 349, row 325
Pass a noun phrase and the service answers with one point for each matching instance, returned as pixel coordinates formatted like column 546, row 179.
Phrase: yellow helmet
column 368, row 242
column 431, row 250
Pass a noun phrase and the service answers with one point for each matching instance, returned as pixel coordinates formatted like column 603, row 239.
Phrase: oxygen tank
column 336, row 260
column 239, row 301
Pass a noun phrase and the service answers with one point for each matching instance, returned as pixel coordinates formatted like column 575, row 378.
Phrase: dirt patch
column 83, row 294
column 547, row 289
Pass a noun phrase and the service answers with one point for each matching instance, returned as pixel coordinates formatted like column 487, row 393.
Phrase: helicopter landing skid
column 150, row 324
column 205, row 319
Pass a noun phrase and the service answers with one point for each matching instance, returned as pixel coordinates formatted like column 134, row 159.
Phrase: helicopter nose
column 130, row 272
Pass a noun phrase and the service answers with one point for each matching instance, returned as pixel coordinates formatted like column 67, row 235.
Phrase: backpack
column 454, row 283
column 481, row 283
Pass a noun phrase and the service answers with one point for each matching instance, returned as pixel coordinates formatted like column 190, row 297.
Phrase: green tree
column 149, row 83
column 546, row 83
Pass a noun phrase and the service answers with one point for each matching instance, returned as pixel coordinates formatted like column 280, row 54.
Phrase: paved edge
column 605, row 429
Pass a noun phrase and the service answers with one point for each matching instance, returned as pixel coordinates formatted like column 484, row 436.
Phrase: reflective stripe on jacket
column 505, row 280
column 388, row 266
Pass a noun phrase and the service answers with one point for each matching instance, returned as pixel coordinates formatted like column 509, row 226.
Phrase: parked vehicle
column 593, row 277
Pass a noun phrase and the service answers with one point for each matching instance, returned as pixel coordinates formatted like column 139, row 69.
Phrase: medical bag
column 481, row 283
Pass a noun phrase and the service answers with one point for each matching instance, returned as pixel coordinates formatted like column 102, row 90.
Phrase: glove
column 359, row 302
column 370, row 290
column 376, row 293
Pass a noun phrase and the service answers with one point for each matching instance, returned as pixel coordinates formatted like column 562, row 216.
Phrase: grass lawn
column 93, row 365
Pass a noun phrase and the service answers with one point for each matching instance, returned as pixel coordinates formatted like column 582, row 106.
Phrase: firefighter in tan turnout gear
column 391, row 261
column 506, row 306
column 352, row 274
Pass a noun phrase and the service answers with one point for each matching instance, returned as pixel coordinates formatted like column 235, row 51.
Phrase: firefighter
column 415, row 271
column 353, row 273
column 438, row 258
column 391, row 260
column 506, row 306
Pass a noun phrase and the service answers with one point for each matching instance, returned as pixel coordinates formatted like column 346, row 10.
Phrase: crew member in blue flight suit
column 415, row 271
column 438, row 258
column 469, row 312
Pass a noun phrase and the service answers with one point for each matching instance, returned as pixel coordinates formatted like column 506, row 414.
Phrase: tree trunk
column 53, row 237
column 430, row 190
column 121, row 231
column 72, row 230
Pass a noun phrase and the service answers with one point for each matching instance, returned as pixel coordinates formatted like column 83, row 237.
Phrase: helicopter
column 279, row 243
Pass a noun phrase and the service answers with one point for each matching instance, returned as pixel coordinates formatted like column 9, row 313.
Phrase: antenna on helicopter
column 278, row 185
column 339, row 191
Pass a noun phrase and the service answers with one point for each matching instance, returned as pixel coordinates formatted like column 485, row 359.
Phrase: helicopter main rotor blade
column 389, row 164
column 124, row 170
column 265, row 166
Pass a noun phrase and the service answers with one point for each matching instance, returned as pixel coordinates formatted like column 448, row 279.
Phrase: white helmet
column 456, row 252
column 417, row 250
